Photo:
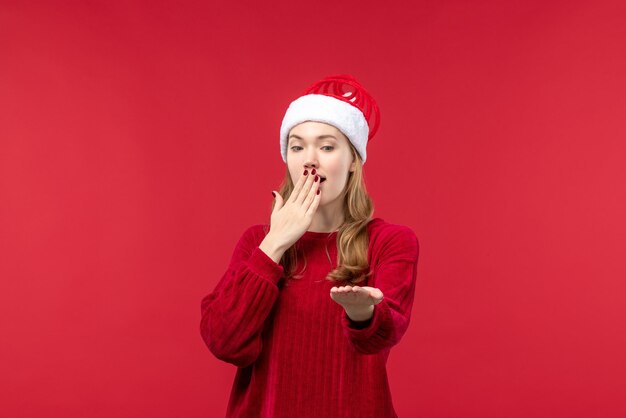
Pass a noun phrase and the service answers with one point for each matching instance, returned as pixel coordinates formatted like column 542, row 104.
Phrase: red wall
column 137, row 142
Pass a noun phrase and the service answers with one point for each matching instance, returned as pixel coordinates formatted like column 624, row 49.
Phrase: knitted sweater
column 298, row 353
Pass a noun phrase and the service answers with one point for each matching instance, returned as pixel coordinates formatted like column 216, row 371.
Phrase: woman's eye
column 326, row 146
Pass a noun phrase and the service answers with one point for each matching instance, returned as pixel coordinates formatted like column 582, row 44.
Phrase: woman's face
column 323, row 147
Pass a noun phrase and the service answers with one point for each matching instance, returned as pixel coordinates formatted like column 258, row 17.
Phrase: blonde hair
column 352, row 238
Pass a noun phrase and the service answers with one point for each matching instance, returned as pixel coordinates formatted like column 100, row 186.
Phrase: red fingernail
column 313, row 172
column 316, row 178
column 273, row 194
column 306, row 172
column 318, row 191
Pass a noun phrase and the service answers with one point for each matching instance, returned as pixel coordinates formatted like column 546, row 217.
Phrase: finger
column 315, row 203
column 306, row 188
column 278, row 199
column 298, row 187
column 310, row 197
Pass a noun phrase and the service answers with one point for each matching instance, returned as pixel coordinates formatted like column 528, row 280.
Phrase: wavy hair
column 352, row 238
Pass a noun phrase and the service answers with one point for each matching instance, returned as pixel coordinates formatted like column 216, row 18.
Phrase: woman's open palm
column 356, row 296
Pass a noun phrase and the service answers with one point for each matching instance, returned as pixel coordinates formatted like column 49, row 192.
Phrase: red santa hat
column 340, row 101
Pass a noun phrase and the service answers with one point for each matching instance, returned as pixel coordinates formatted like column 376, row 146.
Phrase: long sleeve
column 395, row 275
column 233, row 315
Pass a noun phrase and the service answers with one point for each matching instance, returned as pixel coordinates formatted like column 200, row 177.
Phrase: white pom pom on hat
column 354, row 112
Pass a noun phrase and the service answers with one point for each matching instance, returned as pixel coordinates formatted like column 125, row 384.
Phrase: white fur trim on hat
column 321, row 108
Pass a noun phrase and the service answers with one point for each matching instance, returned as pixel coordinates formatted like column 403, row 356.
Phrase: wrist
column 360, row 314
column 272, row 248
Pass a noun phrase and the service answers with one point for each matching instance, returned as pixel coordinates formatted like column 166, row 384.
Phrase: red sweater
column 297, row 352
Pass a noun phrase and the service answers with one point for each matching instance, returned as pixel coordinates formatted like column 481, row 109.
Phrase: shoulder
column 256, row 232
column 253, row 235
column 389, row 239
column 379, row 229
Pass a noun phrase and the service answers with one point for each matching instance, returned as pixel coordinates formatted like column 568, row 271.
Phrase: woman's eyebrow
column 294, row 136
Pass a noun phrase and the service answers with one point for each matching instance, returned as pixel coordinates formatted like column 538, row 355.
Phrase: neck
column 328, row 218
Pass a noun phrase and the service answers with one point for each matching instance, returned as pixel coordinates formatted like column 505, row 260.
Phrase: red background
column 139, row 139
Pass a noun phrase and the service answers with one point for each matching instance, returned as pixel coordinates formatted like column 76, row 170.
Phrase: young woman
column 312, row 302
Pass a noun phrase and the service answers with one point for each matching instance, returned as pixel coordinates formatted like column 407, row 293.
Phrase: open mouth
column 322, row 180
